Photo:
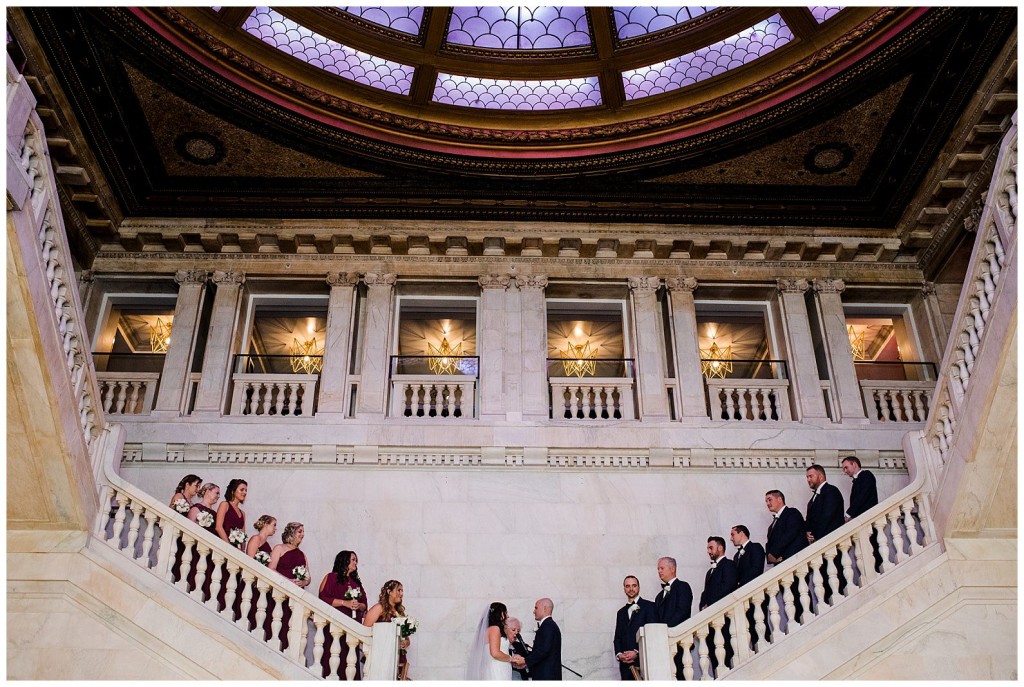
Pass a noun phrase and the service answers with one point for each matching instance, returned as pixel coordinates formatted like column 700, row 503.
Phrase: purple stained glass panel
column 403, row 19
column 501, row 94
column 686, row 70
column 637, row 21
column 519, row 28
column 274, row 29
column 823, row 14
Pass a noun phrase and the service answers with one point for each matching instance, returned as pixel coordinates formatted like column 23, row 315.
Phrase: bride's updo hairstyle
column 497, row 614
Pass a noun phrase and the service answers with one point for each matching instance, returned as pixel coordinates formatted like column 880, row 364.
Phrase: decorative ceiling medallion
column 828, row 158
column 199, row 148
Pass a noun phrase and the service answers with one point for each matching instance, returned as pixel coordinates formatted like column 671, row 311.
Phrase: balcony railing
column 879, row 370
column 128, row 382
column 266, row 386
column 752, row 391
column 603, row 392
column 434, row 386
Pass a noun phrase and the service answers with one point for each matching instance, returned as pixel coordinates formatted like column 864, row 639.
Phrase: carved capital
column 531, row 281
column 650, row 284
column 86, row 276
column 792, row 285
column 973, row 217
column 829, row 286
column 342, row 279
column 380, row 279
column 495, row 281
column 191, row 276
column 681, row 284
column 228, row 277
column 928, row 288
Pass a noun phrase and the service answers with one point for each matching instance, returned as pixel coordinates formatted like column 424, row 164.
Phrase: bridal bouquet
column 205, row 519
column 262, row 557
column 350, row 594
column 300, row 573
column 406, row 626
column 182, row 506
column 236, row 538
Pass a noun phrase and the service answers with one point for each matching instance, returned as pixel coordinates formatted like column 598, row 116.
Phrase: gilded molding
column 792, row 285
column 829, row 285
column 495, row 281
column 644, row 284
column 342, row 279
column 531, row 281
column 191, row 276
column 681, row 284
column 228, row 277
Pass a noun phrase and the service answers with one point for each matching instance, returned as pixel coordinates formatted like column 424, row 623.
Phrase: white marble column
column 930, row 326
column 373, row 366
column 650, row 367
column 689, row 378
column 219, row 344
column 338, row 339
column 174, row 378
column 491, row 346
column 534, row 318
column 804, row 382
column 837, row 345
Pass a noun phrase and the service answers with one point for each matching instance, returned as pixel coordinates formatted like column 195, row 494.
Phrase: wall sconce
column 716, row 361
column 578, row 359
column 856, row 343
column 445, row 359
column 307, row 357
column 159, row 336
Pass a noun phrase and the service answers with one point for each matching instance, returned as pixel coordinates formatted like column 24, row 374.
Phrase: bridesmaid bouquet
column 350, row 594
column 204, row 519
column 182, row 506
column 406, row 626
column 262, row 557
column 236, row 538
column 300, row 573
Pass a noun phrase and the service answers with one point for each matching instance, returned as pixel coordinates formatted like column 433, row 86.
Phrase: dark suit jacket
column 863, row 494
column 750, row 565
column 788, row 536
column 518, row 648
column 545, row 661
column 825, row 512
column 626, row 629
column 718, row 583
column 675, row 608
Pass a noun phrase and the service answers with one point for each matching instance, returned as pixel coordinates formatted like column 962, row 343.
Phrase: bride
column 488, row 656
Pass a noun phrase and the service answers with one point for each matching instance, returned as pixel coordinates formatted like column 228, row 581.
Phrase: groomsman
column 825, row 509
column 864, row 492
column 545, row 661
column 630, row 618
column 787, row 535
column 719, row 582
column 674, row 602
column 749, row 558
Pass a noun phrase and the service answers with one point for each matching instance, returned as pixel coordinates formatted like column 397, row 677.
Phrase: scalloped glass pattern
column 310, row 47
column 403, row 19
column 637, row 21
column 686, row 70
column 495, row 94
column 519, row 28
column 822, row 14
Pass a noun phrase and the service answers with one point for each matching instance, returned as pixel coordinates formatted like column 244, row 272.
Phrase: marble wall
column 463, row 537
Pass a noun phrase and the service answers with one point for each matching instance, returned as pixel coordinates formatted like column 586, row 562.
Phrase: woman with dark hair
column 489, row 658
column 186, row 490
column 342, row 589
column 388, row 607
column 230, row 516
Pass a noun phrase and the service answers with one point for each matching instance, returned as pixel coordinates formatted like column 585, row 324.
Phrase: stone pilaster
column 491, row 345
column 689, row 379
column 650, row 366
column 373, row 367
column 804, row 382
column 931, row 328
column 219, row 343
column 845, row 386
column 534, row 351
column 174, row 378
column 337, row 340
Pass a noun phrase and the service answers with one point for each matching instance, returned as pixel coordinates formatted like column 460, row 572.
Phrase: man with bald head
column 545, row 660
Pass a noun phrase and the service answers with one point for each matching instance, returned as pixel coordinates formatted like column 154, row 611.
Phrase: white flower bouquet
column 237, row 538
column 262, row 557
column 182, row 506
column 300, row 573
column 204, row 519
column 407, row 626
column 350, row 594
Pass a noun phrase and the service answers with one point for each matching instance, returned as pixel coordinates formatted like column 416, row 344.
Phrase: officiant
column 516, row 647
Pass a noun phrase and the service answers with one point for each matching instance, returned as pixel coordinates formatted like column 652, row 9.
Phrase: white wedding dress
column 482, row 666
column 499, row 670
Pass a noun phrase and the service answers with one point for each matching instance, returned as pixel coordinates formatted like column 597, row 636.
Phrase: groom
column 545, row 661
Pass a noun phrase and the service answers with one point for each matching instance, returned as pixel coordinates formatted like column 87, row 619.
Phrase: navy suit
column 863, row 494
column 545, row 660
column 750, row 565
column 824, row 511
column 788, row 535
column 626, row 628
column 719, row 582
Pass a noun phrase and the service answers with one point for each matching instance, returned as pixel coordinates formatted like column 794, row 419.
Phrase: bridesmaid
column 343, row 578
column 230, row 515
column 265, row 526
column 186, row 490
column 204, row 515
column 387, row 609
column 285, row 558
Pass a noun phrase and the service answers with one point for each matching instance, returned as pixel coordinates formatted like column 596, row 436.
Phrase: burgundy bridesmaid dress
column 288, row 561
column 334, row 590
column 212, row 529
column 232, row 521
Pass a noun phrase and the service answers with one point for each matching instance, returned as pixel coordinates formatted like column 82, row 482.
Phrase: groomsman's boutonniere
column 634, row 607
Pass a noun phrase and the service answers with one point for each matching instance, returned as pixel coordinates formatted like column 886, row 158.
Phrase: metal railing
column 895, row 370
column 247, row 363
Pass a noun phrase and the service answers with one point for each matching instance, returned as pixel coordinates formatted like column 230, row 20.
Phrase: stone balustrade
column 242, row 591
column 433, row 396
column 273, row 395
column 127, row 393
column 749, row 400
column 897, row 401
column 592, row 398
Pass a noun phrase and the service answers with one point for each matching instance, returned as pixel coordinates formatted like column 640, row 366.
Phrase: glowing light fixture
column 307, row 357
column 856, row 343
column 716, row 361
column 444, row 360
column 578, row 359
column 159, row 336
